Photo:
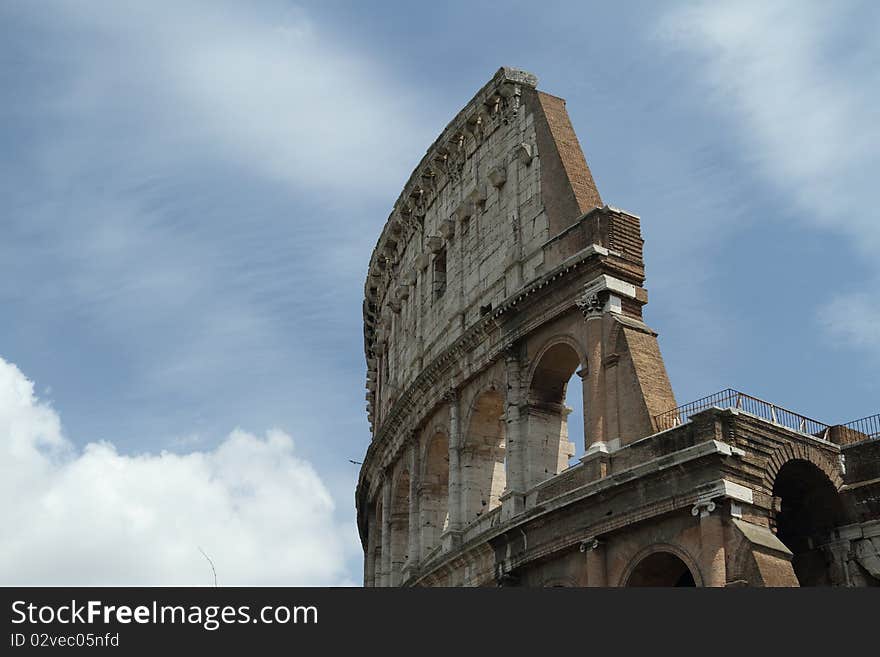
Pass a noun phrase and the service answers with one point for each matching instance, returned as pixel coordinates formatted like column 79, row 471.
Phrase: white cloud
column 153, row 197
column 263, row 86
column 798, row 82
column 804, row 113
column 97, row 517
column 853, row 319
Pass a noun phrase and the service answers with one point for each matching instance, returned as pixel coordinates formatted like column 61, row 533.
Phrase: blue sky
column 191, row 191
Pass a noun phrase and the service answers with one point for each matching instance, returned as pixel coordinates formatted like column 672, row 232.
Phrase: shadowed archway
column 549, row 448
column 483, row 462
column 661, row 569
column 434, row 504
column 809, row 508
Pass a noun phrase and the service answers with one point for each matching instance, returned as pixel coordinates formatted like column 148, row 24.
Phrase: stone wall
column 500, row 279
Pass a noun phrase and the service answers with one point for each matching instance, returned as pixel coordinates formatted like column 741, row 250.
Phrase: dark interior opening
column 810, row 509
column 661, row 569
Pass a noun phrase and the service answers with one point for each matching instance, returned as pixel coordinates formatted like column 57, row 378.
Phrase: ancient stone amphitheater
column 501, row 274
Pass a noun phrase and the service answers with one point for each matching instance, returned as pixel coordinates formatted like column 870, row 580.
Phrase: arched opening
column 553, row 381
column 483, row 457
column 399, row 527
column 574, row 401
column 661, row 569
column 434, row 504
column 809, row 508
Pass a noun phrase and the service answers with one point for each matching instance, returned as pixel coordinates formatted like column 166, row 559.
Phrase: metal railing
column 867, row 426
column 731, row 398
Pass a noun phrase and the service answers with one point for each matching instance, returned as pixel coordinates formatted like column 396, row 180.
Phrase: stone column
column 711, row 544
column 583, row 375
column 370, row 555
column 398, row 558
column 455, row 511
column 415, row 472
column 386, row 530
column 596, row 569
column 838, row 569
column 612, row 420
column 517, row 448
column 594, row 398
column 427, row 505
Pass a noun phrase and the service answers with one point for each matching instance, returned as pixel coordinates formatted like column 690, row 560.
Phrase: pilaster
column 513, row 501
column 597, row 574
column 414, row 550
column 386, row 529
column 712, row 554
column 451, row 536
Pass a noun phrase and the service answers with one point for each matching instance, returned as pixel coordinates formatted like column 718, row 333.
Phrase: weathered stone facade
column 501, row 273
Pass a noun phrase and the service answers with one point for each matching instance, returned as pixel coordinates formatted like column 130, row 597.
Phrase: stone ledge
column 714, row 487
column 761, row 536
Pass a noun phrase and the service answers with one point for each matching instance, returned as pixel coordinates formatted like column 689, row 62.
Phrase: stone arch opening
column 549, row 448
column 559, row 583
column 661, row 569
column 808, row 508
column 434, row 503
column 484, row 475
column 575, row 422
column 399, row 527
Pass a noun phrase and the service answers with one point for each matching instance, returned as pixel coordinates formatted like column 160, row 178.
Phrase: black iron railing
column 731, row 398
column 868, row 426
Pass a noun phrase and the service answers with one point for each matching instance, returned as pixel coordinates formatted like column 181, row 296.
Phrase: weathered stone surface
column 499, row 275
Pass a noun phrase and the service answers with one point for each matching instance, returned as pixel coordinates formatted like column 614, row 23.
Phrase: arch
column 434, row 491
column 662, row 564
column 549, row 448
column 797, row 451
column 483, row 458
column 431, row 432
column 559, row 583
column 564, row 339
column 807, row 508
column 399, row 526
column 491, row 387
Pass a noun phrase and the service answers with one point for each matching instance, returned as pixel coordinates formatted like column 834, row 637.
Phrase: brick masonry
column 499, row 276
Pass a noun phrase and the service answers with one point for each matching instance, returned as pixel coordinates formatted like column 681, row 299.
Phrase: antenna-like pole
column 213, row 570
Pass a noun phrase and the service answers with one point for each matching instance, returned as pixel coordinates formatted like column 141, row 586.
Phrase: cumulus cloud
column 93, row 516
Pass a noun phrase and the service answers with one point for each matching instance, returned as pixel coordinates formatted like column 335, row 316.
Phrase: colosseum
column 502, row 284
